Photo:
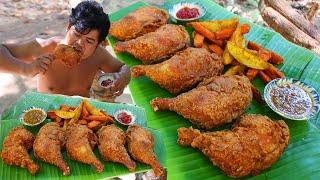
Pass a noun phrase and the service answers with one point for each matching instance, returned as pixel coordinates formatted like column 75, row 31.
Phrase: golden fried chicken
column 80, row 144
column 67, row 54
column 183, row 71
column 156, row 46
column 214, row 102
column 140, row 146
column 111, row 141
column 139, row 22
column 48, row 144
column 252, row 145
column 15, row 149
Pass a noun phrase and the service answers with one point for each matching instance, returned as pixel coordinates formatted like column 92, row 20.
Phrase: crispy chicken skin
column 214, row 102
column 252, row 145
column 48, row 144
column 80, row 144
column 139, row 22
column 183, row 71
column 15, row 149
column 69, row 55
column 156, row 46
column 111, row 143
column 140, row 146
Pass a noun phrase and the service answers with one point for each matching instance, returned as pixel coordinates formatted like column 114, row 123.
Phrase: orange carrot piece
column 257, row 95
column 93, row 124
column 202, row 30
column 275, row 58
column 245, row 28
column 52, row 115
column 99, row 118
column 216, row 49
column 82, row 121
column 224, row 33
column 275, row 71
column 84, row 112
column 198, row 40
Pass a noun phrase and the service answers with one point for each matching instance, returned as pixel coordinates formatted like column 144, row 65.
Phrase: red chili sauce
column 187, row 13
column 124, row 118
column 291, row 99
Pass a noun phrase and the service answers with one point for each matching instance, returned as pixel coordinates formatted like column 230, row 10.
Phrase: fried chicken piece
column 48, row 144
column 67, row 54
column 111, row 141
column 80, row 144
column 252, row 145
column 156, row 46
column 139, row 22
column 214, row 102
column 140, row 146
column 15, row 149
column 183, row 71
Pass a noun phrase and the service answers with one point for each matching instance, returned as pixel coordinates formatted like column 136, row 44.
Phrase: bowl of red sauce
column 124, row 117
column 185, row 11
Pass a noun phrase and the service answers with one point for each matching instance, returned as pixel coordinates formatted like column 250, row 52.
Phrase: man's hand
column 40, row 65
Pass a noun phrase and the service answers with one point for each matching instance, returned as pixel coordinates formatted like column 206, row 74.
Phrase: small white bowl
column 133, row 117
column 103, row 78
column 176, row 7
column 30, row 109
column 309, row 90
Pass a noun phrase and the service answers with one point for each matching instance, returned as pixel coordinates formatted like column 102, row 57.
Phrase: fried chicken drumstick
column 80, row 144
column 252, row 145
column 214, row 102
column 139, row 22
column 15, row 149
column 140, row 146
column 111, row 143
column 183, row 71
column 48, row 144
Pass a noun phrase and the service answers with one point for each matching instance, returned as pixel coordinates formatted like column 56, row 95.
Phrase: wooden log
column 287, row 29
column 297, row 19
column 312, row 11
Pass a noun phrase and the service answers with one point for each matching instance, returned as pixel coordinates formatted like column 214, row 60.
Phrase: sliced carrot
column 216, row 49
column 264, row 77
column 198, row 40
column 93, row 124
column 224, row 33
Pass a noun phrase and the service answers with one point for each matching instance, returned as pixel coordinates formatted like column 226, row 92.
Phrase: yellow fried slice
column 218, row 25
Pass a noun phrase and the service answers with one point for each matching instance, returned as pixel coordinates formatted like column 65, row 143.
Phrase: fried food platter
column 78, row 169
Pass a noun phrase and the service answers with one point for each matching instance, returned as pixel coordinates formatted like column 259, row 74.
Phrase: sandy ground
column 23, row 20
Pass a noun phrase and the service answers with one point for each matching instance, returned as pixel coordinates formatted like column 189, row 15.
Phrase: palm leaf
column 302, row 157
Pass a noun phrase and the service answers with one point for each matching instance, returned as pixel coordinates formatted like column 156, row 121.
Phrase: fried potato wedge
column 217, row 25
column 64, row 114
column 245, row 57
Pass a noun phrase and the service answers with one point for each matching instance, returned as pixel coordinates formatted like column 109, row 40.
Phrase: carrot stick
column 216, row 49
column 93, row 124
column 265, row 78
column 275, row 58
column 275, row 71
column 198, row 40
column 99, row 118
column 224, row 33
column 84, row 112
column 82, row 121
column 202, row 30
column 245, row 28
column 256, row 95
column 272, row 76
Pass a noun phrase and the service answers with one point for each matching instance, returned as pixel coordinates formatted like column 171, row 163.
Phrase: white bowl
column 176, row 7
column 30, row 109
column 133, row 117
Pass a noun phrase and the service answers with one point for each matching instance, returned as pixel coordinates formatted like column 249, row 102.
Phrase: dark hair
column 89, row 15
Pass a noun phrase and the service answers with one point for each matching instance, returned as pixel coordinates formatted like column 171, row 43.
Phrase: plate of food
column 292, row 99
column 187, row 11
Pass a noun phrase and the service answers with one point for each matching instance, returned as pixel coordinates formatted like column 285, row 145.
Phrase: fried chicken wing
column 48, row 144
column 140, row 146
column 252, row 145
column 156, row 46
column 15, row 149
column 214, row 102
column 139, row 22
column 67, row 54
column 183, row 71
column 80, row 144
column 111, row 141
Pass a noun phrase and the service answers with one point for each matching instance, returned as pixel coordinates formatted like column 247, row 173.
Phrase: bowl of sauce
column 184, row 11
column 33, row 116
column 124, row 117
column 292, row 98
column 106, row 80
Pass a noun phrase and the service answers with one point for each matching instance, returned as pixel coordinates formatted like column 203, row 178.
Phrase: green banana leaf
column 301, row 159
column 10, row 119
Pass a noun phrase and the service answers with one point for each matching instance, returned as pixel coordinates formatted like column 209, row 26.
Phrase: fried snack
column 275, row 58
column 140, row 146
column 217, row 25
column 251, row 146
column 205, row 32
column 139, row 22
column 264, row 77
column 67, row 54
column 183, row 71
column 80, row 142
column 48, row 144
column 15, row 149
column 264, row 55
column 198, row 40
column 216, row 49
column 112, row 140
column 156, row 46
column 245, row 57
column 234, row 70
column 216, row 101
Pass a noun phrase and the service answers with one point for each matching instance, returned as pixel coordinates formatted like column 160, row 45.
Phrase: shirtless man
column 88, row 27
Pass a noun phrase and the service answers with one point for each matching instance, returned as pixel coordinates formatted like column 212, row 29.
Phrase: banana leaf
column 10, row 119
column 301, row 159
